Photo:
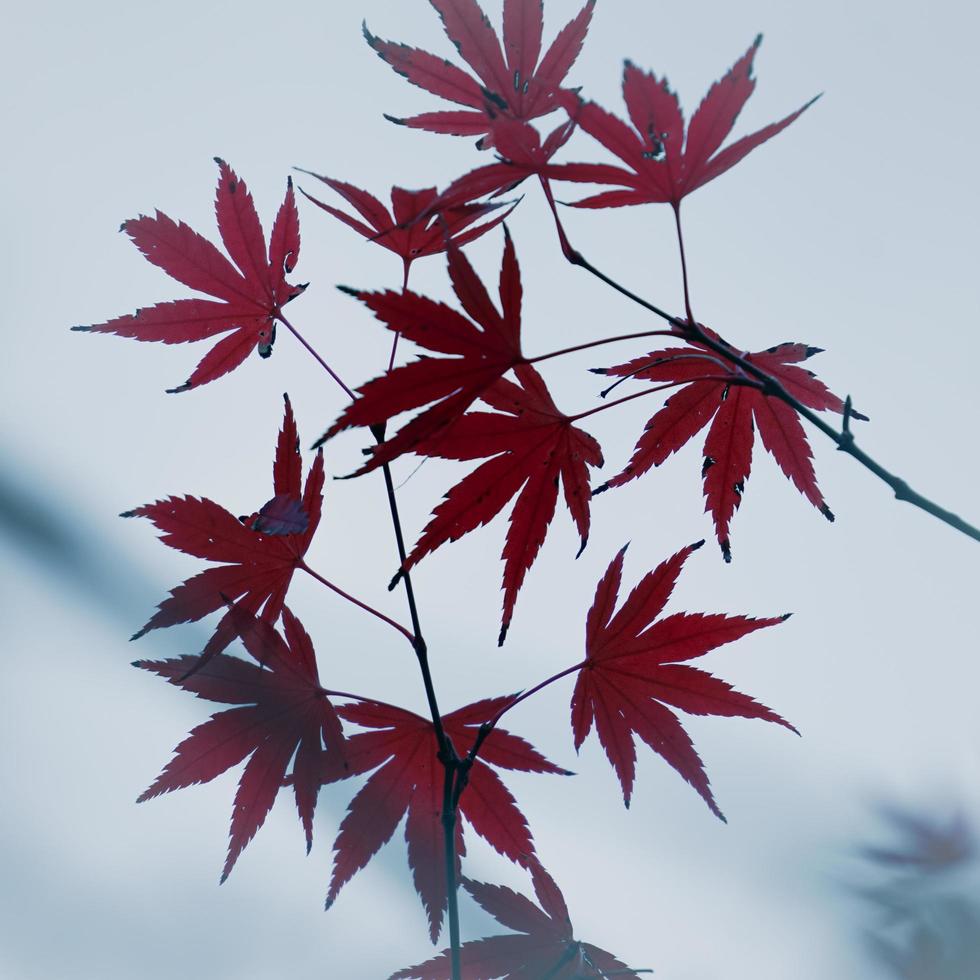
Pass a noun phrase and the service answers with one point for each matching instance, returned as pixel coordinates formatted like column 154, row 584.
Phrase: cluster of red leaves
column 635, row 669
column 543, row 944
column 731, row 407
column 257, row 554
column 250, row 296
column 411, row 780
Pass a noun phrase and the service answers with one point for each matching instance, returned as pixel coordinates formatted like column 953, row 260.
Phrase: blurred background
column 849, row 853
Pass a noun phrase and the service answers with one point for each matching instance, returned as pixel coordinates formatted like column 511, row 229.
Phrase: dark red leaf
column 661, row 165
column 544, row 945
column 256, row 566
column 250, row 296
column 532, row 447
column 731, row 409
column 630, row 674
column 485, row 347
column 517, row 86
column 410, row 781
column 418, row 224
column 282, row 712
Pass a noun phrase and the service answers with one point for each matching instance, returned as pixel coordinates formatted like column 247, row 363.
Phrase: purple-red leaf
column 661, row 163
column 516, row 82
column 485, row 346
column 731, row 409
column 533, row 447
column 630, row 675
column 281, row 712
column 410, row 781
column 543, row 947
column 250, row 293
column 256, row 565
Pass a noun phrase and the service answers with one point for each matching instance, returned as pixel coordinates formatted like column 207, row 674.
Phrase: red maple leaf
column 520, row 154
column 410, row 781
column 282, row 712
column 485, row 348
column 732, row 407
column 532, row 446
column 256, row 565
column 664, row 165
column 634, row 668
column 521, row 85
column 543, row 944
column 250, row 297
column 417, row 224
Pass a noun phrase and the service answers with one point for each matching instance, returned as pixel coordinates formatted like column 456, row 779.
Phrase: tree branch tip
column 396, row 578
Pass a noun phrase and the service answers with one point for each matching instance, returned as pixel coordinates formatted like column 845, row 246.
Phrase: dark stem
column 772, row 387
column 447, row 752
column 450, row 799
column 357, row 602
column 680, row 242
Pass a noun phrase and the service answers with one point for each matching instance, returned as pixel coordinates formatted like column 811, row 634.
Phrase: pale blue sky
column 855, row 230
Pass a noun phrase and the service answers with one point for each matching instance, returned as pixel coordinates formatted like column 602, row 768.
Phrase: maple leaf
column 634, row 667
column 731, row 409
column 532, row 446
column 520, row 154
column 417, row 224
column 543, row 944
column 410, row 781
column 665, row 164
column 515, row 82
column 250, row 297
column 485, row 348
column 282, row 712
column 256, row 566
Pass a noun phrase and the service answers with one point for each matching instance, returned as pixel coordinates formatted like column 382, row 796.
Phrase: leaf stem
column 771, row 386
column 488, row 726
column 680, row 243
column 726, row 379
column 599, row 343
column 357, row 602
column 326, row 367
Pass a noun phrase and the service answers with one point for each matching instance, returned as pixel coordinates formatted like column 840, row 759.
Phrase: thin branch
column 771, row 386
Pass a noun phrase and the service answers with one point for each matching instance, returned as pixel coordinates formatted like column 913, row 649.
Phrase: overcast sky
column 855, row 230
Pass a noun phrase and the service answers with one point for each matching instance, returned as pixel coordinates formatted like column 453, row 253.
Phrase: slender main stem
column 447, row 752
column 357, row 602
